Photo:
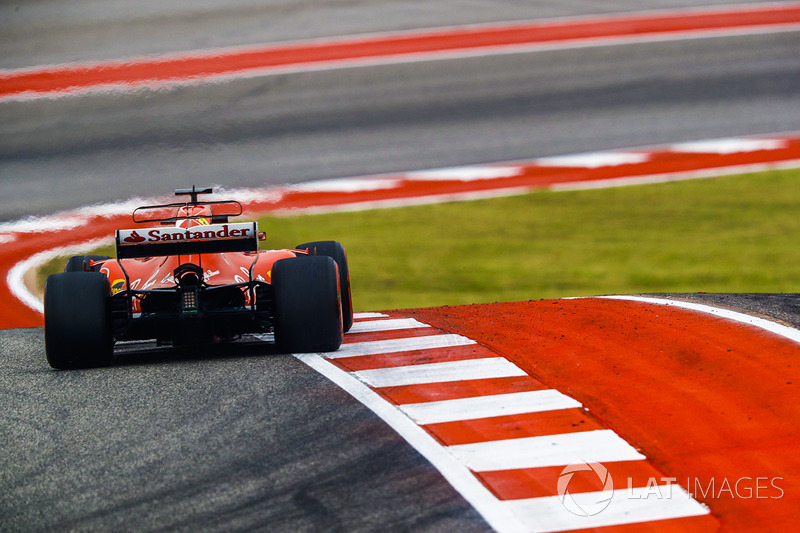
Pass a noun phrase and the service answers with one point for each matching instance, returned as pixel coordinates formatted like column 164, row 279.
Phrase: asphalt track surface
column 241, row 441
column 39, row 32
column 234, row 439
column 233, row 442
column 67, row 152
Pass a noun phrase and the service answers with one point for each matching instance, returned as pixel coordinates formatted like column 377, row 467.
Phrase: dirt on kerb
column 709, row 401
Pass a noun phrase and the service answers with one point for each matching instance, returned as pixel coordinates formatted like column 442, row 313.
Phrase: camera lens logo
column 591, row 503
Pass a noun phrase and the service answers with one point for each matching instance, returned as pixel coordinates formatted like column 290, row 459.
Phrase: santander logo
column 198, row 234
column 134, row 237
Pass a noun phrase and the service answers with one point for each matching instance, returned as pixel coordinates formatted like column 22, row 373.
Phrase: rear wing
column 209, row 239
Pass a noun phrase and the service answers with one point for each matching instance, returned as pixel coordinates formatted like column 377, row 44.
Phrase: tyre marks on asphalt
column 499, row 435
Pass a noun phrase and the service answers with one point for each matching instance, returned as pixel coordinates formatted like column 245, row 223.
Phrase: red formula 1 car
column 192, row 277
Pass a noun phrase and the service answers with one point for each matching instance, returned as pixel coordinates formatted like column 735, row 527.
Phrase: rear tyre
column 77, row 322
column 335, row 250
column 75, row 263
column 308, row 311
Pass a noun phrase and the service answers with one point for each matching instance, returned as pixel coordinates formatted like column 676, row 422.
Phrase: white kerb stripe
column 386, row 325
column 361, row 316
column 627, row 506
column 494, row 367
column 729, row 146
column 347, row 185
column 594, row 160
column 466, row 173
column 399, row 345
column 454, row 472
column 488, row 406
column 550, row 450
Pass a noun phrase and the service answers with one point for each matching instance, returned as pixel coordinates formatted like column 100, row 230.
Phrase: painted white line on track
column 550, row 450
column 459, row 463
column 387, row 325
column 768, row 325
column 358, row 349
column 458, row 475
column 494, row 367
column 488, row 406
column 627, row 506
column 16, row 275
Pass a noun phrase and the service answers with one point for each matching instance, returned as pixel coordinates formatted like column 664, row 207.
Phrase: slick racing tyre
column 75, row 263
column 77, row 322
column 308, row 311
column 335, row 250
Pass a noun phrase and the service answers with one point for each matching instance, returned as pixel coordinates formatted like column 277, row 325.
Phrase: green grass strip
column 731, row 234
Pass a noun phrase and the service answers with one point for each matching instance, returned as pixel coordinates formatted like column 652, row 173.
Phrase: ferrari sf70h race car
column 188, row 276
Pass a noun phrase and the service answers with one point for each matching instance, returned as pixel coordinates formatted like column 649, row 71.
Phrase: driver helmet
column 200, row 216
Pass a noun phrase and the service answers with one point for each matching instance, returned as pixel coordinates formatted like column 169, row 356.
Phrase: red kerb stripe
column 176, row 68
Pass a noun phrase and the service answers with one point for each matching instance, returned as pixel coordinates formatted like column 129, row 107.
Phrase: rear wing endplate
column 209, row 239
